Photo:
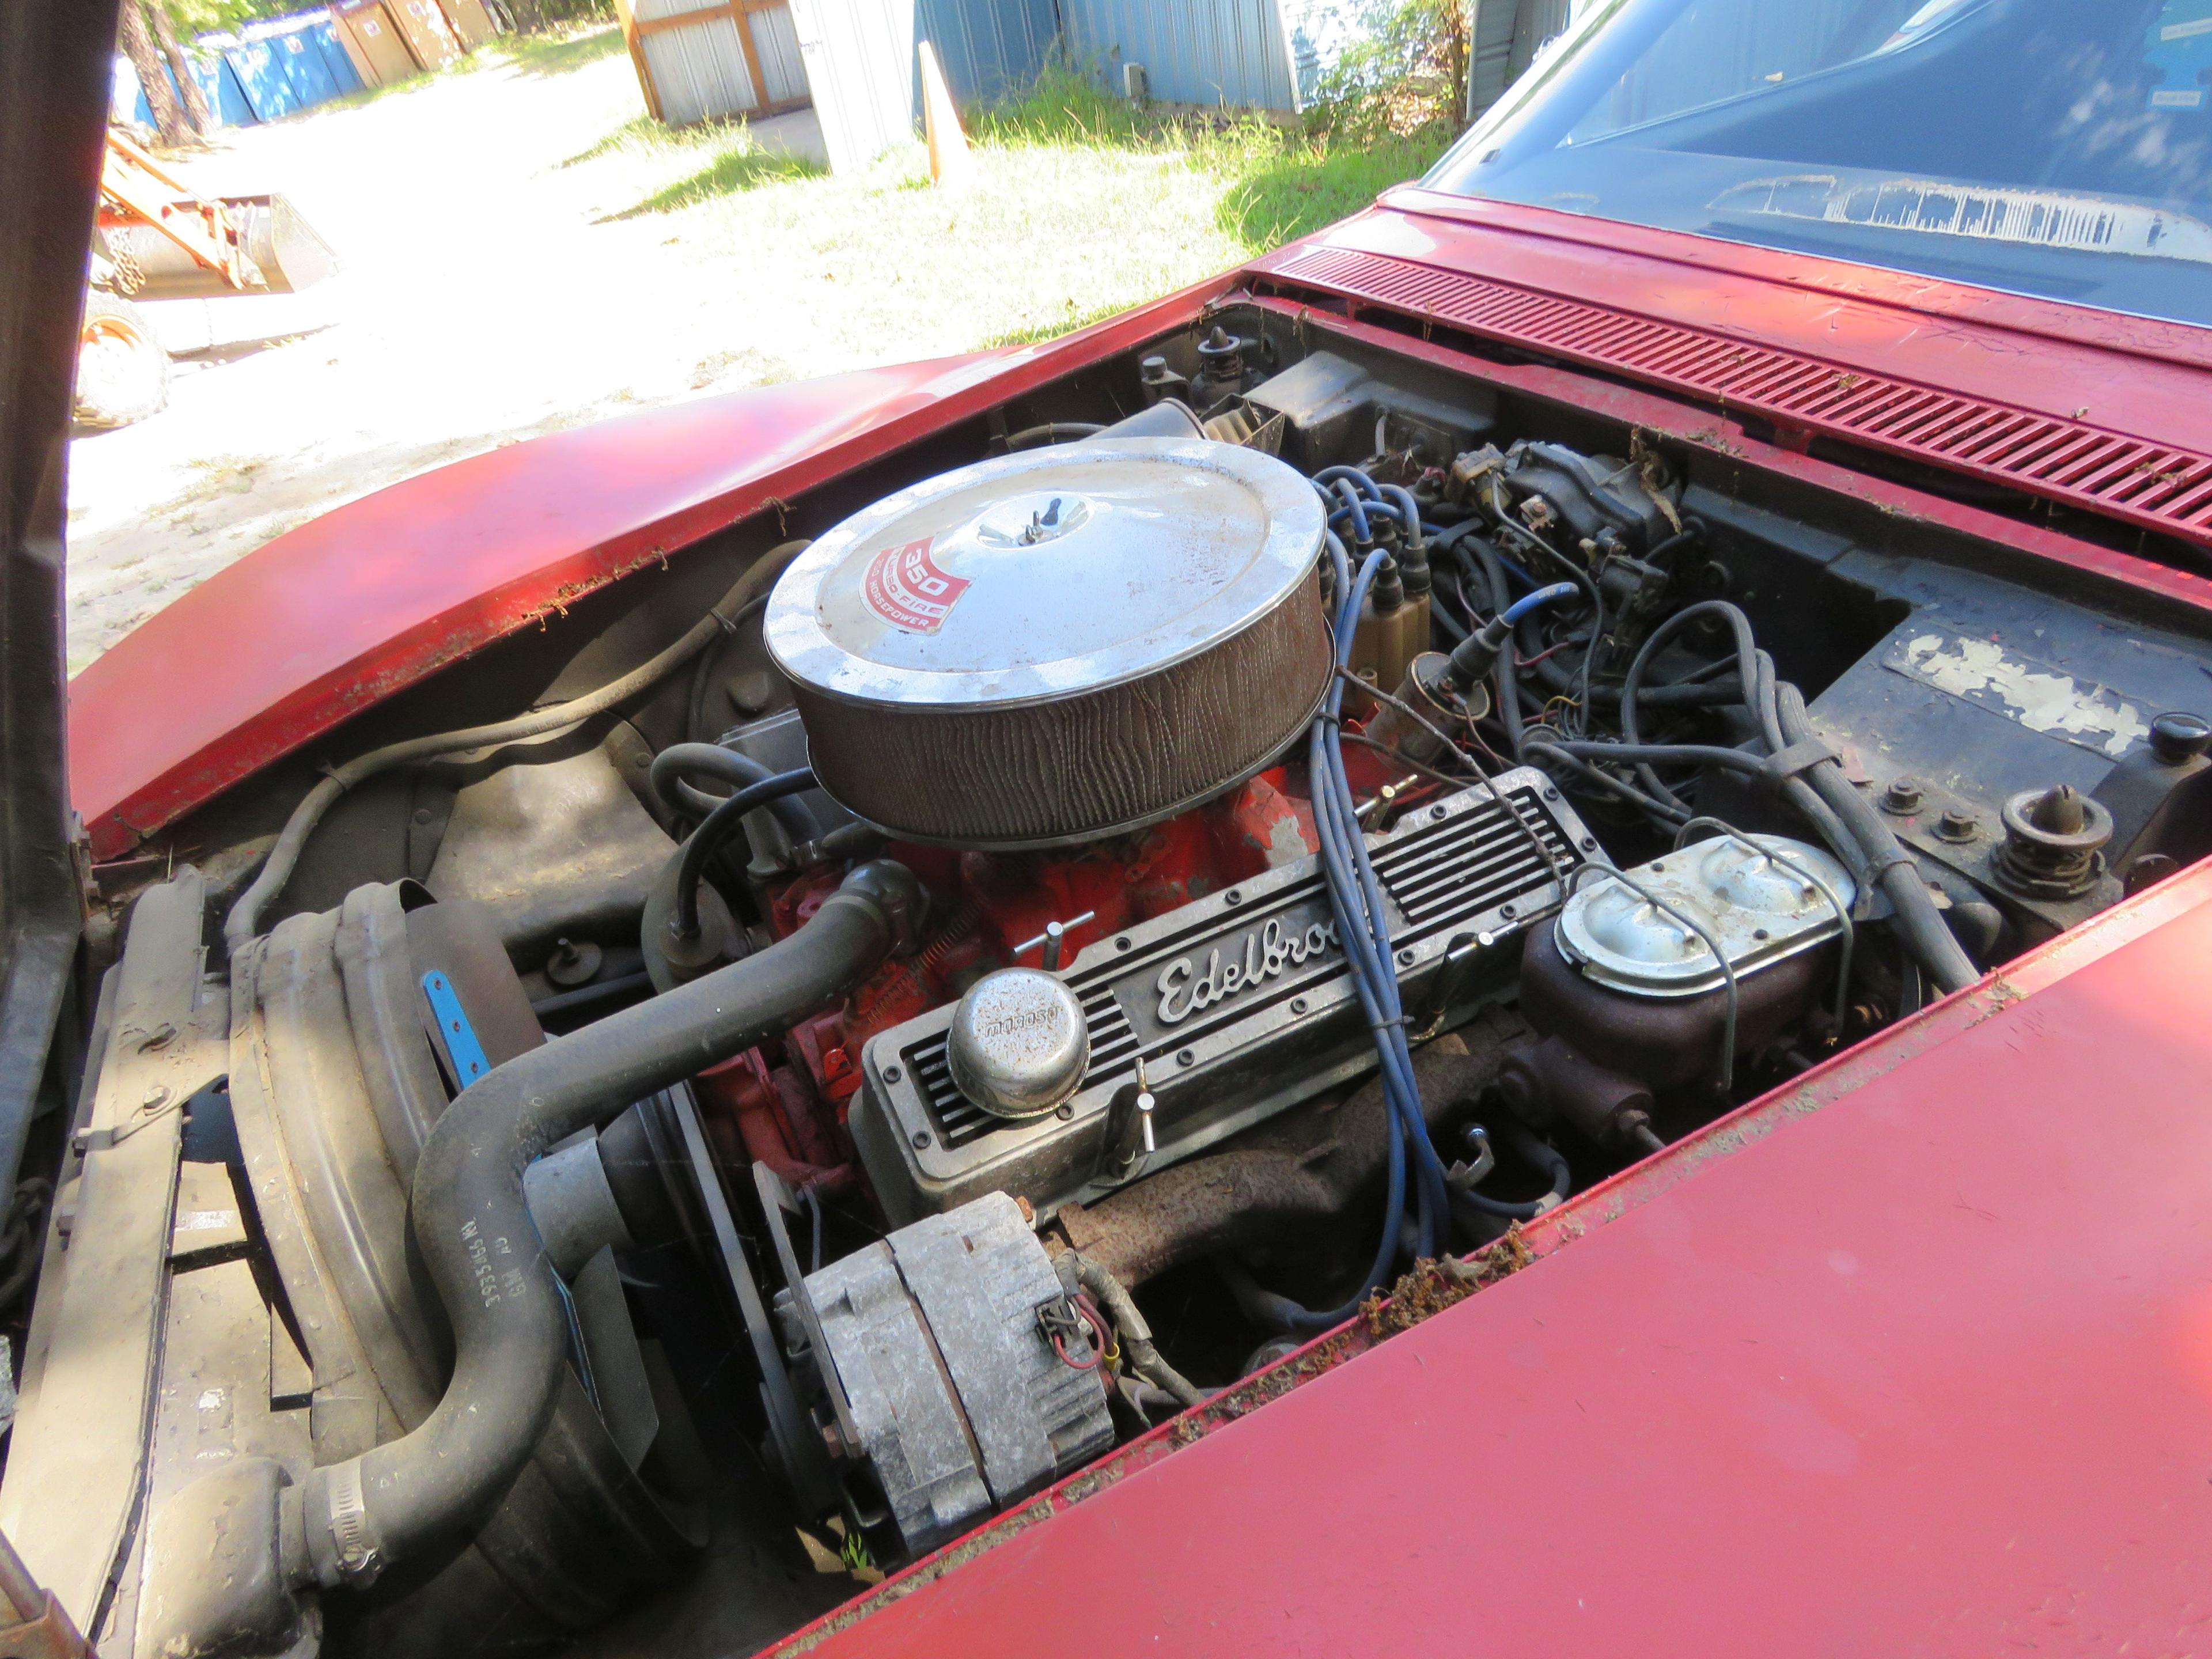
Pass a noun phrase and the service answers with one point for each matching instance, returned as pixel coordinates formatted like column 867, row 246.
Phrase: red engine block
column 791, row 1115
column 789, row 1111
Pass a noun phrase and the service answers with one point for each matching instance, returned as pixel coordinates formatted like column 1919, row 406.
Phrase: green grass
column 1314, row 184
column 550, row 54
column 733, row 170
column 1279, row 181
column 1081, row 205
column 682, row 167
column 558, row 53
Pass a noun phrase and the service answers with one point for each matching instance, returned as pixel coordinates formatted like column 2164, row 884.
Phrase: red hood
column 2106, row 413
column 339, row 615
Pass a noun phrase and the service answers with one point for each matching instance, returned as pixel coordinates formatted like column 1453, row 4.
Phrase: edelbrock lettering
column 1268, row 953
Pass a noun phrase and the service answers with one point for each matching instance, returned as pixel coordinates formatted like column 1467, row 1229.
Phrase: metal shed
column 861, row 61
column 698, row 62
column 1507, row 34
column 1214, row 53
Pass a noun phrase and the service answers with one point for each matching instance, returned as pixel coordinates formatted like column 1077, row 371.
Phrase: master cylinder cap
column 1019, row 1044
column 1760, row 898
column 1058, row 645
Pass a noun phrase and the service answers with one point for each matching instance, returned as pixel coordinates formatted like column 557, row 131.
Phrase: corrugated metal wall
column 776, row 43
column 1507, row 33
column 699, row 70
column 860, row 62
column 1214, row 53
column 988, row 48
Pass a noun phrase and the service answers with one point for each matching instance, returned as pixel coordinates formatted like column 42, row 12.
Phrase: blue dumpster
column 300, row 64
column 226, row 96
column 322, row 34
column 267, row 86
column 218, row 83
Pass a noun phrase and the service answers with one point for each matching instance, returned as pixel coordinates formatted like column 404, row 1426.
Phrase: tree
column 137, row 42
column 197, row 112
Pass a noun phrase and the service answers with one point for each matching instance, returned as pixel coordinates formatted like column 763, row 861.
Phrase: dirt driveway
column 522, row 252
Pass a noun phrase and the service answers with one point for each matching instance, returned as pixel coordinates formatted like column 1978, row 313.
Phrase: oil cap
column 1019, row 1044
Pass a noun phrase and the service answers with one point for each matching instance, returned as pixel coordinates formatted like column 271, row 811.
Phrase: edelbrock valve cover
column 1061, row 644
column 1232, row 1008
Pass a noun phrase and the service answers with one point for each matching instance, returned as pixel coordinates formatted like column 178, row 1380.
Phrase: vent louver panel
column 2161, row 489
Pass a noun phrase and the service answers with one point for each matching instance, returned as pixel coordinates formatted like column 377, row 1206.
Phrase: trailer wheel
column 122, row 373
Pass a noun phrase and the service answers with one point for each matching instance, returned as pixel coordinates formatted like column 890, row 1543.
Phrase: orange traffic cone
column 951, row 162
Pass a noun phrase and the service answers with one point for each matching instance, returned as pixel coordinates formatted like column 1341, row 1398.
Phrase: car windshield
column 2054, row 148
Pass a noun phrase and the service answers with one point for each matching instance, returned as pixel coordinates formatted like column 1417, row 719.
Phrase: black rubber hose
column 694, row 704
column 245, row 917
column 1682, row 694
column 1661, row 754
column 1747, row 652
column 1053, row 432
column 675, row 766
column 1918, row 920
column 726, row 820
column 748, row 598
column 1755, row 673
column 1441, row 620
column 473, row 1227
column 1539, row 745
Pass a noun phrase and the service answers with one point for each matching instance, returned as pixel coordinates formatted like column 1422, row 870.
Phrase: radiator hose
column 482, row 1251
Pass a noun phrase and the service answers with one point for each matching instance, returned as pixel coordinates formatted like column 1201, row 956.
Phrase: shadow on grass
column 551, row 54
column 641, row 129
column 729, row 175
column 1308, row 187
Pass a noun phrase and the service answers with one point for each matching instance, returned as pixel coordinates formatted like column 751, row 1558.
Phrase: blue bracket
column 462, row 1052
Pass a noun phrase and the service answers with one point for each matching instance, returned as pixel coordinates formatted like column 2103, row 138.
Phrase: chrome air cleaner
column 1056, row 645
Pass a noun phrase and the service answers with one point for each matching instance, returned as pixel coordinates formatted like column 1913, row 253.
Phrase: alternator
column 935, row 1346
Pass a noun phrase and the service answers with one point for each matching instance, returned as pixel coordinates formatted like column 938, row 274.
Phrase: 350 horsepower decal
column 906, row 588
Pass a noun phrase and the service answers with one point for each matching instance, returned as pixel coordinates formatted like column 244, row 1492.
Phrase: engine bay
column 907, row 1007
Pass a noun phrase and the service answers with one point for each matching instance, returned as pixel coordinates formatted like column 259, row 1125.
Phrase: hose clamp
column 1797, row 759
column 897, row 898
column 360, row 1561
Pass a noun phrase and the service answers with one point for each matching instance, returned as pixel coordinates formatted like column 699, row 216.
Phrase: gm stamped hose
column 473, row 1226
